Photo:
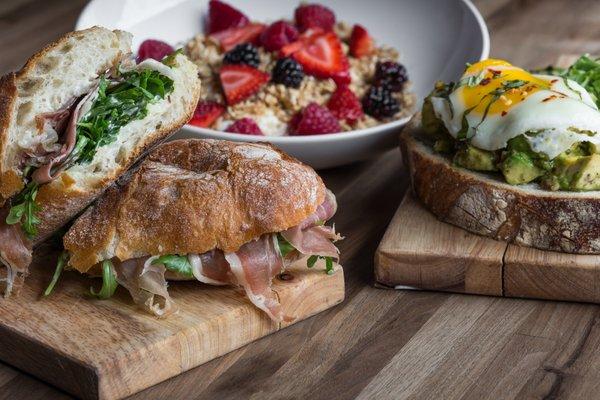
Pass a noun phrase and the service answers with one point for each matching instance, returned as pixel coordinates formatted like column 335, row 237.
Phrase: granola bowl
column 427, row 41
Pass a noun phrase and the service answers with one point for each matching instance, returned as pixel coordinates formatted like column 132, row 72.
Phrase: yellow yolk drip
column 494, row 90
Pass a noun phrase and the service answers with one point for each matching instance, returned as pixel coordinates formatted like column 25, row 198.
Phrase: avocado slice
column 471, row 157
column 432, row 125
column 519, row 168
column 577, row 172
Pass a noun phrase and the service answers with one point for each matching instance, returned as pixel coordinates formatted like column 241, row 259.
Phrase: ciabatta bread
column 486, row 205
column 68, row 69
column 192, row 196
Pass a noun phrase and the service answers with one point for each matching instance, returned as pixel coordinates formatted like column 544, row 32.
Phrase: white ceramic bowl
column 435, row 39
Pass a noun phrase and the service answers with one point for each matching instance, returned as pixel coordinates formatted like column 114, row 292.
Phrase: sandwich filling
column 252, row 267
column 529, row 127
column 71, row 136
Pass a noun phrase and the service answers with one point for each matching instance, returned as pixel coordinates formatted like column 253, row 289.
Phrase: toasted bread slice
column 486, row 205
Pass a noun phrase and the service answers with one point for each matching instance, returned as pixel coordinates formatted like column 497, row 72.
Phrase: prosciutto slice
column 57, row 160
column 15, row 254
column 311, row 237
column 255, row 265
column 146, row 283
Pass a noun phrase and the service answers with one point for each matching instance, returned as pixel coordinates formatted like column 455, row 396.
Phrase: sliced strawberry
column 241, row 81
column 222, row 16
column 206, row 113
column 322, row 56
column 230, row 38
column 361, row 43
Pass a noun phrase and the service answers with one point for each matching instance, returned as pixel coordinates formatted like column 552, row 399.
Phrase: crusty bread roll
column 192, row 196
column 486, row 205
column 68, row 69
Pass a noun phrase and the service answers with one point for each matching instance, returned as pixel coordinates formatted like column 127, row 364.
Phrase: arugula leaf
column 115, row 107
column 285, row 247
column 176, row 263
column 25, row 209
column 329, row 269
column 60, row 264
column 109, row 282
column 169, row 60
column 586, row 72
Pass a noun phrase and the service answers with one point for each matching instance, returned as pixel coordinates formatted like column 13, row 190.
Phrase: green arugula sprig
column 329, row 269
column 176, row 263
column 285, row 247
column 586, row 72
column 60, row 265
column 109, row 282
column 25, row 209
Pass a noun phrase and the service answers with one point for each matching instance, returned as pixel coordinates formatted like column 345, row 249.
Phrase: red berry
column 229, row 38
column 361, row 43
column 222, row 16
column 314, row 16
column 241, row 81
column 206, row 113
column 154, row 49
column 321, row 55
column 314, row 120
column 246, row 126
column 344, row 104
column 277, row 35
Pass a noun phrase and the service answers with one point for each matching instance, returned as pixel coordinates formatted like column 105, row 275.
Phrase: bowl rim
column 347, row 135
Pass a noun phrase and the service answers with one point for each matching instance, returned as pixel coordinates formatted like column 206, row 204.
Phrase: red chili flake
column 485, row 81
column 504, row 113
column 549, row 98
column 554, row 81
column 494, row 72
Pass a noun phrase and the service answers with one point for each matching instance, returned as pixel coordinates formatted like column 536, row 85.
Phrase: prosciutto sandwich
column 218, row 212
column 72, row 120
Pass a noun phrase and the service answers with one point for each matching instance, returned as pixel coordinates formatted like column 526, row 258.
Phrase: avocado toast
column 512, row 155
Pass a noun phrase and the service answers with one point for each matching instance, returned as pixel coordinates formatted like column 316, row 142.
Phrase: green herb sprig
column 329, row 269
column 25, row 209
column 109, row 282
column 176, row 263
column 60, row 264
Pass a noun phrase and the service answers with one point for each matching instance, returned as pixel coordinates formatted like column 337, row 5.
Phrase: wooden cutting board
column 420, row 252
column 108, row 349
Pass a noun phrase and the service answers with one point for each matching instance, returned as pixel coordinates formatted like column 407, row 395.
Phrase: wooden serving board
column 420, row 252
column 108, row 349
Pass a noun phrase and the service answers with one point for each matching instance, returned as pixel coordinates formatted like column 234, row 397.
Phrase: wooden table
column 385, row 343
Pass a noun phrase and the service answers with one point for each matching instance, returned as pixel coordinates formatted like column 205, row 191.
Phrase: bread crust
column 486, row 205
column 192, row 196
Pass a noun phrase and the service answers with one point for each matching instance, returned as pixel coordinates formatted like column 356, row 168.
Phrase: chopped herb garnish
column 60, row 264
column 109, row 282
column 176, row 263
column 25, row 209
column 170, row 59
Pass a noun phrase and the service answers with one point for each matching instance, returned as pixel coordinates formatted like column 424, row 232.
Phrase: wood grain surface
column 384, row 343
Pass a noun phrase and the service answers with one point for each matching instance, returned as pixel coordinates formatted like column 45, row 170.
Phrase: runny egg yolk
column 501, row 87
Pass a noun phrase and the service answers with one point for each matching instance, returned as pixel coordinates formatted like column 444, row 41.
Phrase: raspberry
column 391, row 75
column 243, row 54
column 222, row 16
column 314, row 120
column 206, row 113
column 277, row 35
column 154, row 49
column 246, row 126
column 379, row 103
column 314, row 16
column 344, row 105
column 288, row 72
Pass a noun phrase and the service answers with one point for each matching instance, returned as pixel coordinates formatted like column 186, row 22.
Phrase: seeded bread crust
column 192, row 196
column 486, row 205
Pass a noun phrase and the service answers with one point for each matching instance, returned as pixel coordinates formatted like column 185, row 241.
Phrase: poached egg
column 496, row 101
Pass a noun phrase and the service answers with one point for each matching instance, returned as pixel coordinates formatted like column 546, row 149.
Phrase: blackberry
column 379, row 103
column 243, row 54
column 391, row 75
column 288, row 72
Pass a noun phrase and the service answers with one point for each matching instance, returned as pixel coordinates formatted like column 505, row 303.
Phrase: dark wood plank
column 548, row 349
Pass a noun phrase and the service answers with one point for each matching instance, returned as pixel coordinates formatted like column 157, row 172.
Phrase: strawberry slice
column 321, row 55
column 222, row 16
column 361, row 43
column 230, row 38
column 206, row 113
column 241, row 81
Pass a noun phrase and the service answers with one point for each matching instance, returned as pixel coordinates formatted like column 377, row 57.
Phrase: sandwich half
column 219, row 212
column 512, row 154
column 72, row 120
